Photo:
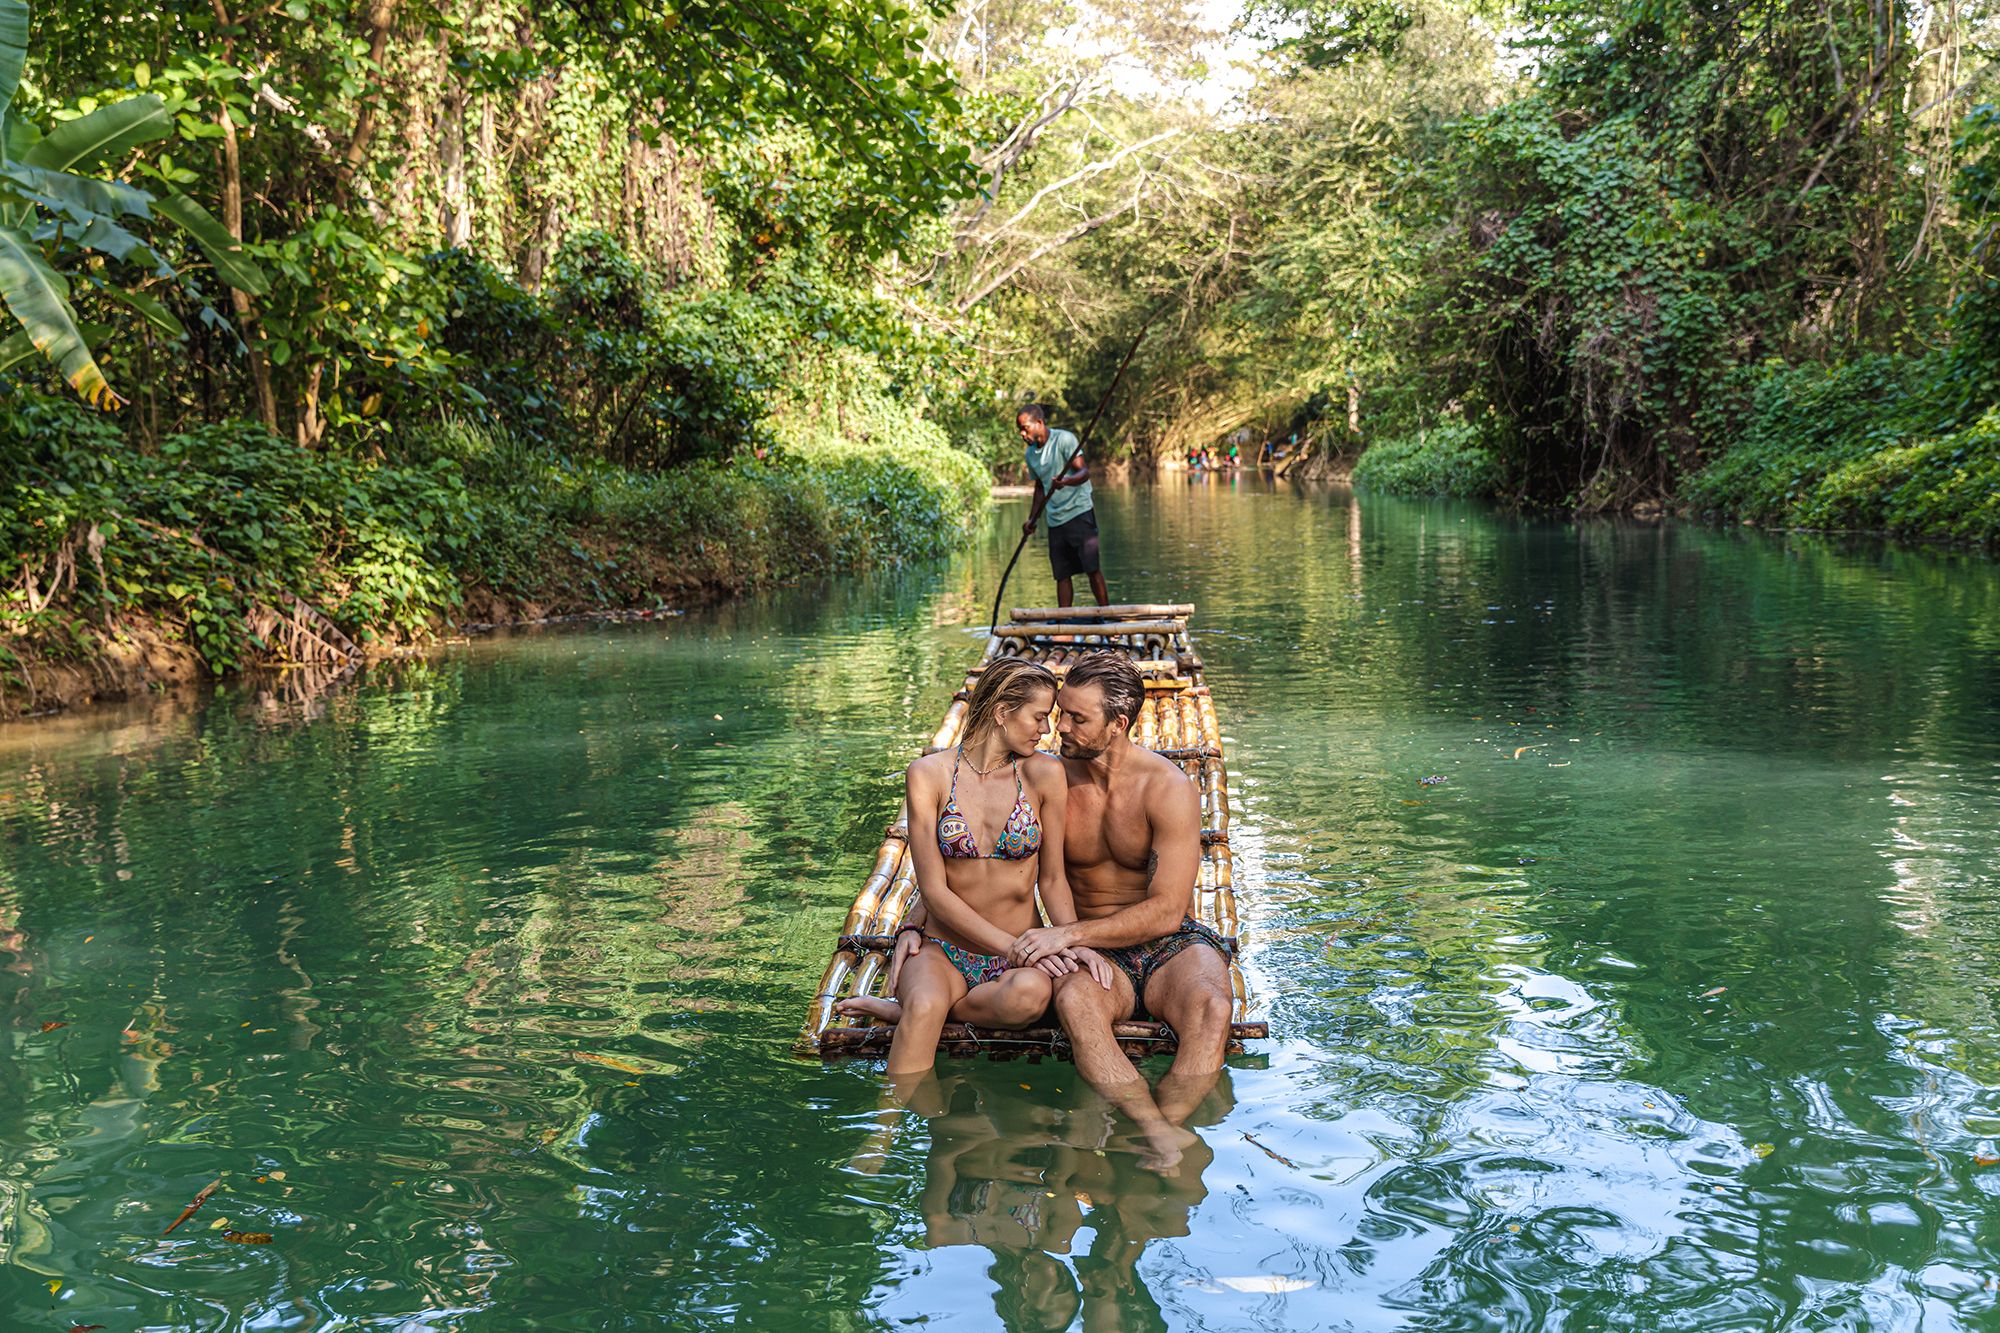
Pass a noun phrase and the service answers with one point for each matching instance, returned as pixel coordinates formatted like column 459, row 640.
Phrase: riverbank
column 227, row 547
column 1884, row 445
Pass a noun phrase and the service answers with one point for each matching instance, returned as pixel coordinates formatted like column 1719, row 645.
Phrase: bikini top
column 1020, row 837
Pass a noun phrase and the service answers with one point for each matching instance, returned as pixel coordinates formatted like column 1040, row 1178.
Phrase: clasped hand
column 1045, row 947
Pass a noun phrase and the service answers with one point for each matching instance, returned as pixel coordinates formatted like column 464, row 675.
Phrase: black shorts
column 1073, row 546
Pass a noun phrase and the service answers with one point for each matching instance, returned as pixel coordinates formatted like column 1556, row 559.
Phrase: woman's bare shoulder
column 1045, row 771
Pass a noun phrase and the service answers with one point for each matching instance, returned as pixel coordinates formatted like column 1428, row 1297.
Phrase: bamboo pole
column 1030, row 630
column 1120, row 611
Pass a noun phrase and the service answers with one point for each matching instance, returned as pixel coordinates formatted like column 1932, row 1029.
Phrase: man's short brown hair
column 1124, row 691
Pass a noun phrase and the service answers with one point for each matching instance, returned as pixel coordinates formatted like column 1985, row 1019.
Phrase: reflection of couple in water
column 1009, row 1172
column 1110, row 834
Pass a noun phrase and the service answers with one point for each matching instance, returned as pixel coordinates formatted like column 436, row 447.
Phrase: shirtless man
column 1132, row 849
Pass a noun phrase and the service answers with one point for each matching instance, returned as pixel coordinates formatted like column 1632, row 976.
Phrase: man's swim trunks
column 1073, row 546
column 1139, row 961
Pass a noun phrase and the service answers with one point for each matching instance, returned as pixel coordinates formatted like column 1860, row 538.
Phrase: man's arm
column 1173, row 809
column 1035, row 507
column 1077, row 474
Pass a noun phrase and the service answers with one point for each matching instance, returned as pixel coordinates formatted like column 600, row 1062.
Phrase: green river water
column 474, row 983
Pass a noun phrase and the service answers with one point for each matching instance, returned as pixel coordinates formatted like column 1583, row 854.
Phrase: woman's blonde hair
column 1008, row 682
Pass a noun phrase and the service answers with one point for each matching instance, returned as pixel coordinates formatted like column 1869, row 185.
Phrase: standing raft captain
column 1062, row 486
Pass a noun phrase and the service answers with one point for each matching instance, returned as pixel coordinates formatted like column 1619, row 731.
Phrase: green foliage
column 1451, row 458
column 1799, row 424
column 1877, row 445
column 220, row 521
column 228, row 518
column 1944, row 487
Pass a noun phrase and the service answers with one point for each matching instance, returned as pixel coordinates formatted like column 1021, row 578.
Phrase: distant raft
column 1178, row 722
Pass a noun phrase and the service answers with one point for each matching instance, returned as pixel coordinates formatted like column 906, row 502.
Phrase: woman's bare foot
column 884, row 1011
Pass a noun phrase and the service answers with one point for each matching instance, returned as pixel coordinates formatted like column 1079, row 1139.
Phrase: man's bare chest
column 1100, row 827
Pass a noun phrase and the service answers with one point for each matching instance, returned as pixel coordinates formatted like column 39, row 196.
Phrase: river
column 474, row 983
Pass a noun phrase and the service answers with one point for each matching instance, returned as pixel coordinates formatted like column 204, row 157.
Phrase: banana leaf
column 39, row 299
column 13, row 48
column 149, row 309
column 102, row 136
column 80, row 198
column 223, row 250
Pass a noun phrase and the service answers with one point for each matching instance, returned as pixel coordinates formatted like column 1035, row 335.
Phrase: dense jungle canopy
column 385, row 304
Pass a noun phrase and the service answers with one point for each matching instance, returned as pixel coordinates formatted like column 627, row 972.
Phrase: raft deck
column 1178, row 721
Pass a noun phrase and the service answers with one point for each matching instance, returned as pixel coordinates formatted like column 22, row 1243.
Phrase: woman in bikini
column 991, row 790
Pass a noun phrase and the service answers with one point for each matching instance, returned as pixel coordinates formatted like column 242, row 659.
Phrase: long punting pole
column 1001, row 592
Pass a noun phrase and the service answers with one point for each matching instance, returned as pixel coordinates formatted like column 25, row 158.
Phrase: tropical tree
column 52, row 210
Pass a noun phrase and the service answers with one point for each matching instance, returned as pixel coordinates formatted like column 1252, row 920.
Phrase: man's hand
column 1031, row 946
column 1029, row 526
column 1091, row 961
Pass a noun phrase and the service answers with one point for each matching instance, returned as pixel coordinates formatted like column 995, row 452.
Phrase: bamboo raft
column 1177, row 721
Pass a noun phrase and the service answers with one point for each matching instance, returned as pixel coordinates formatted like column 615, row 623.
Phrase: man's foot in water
column 867, row 1006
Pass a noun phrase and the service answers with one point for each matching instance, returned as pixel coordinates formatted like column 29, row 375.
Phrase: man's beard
column 1071, row 750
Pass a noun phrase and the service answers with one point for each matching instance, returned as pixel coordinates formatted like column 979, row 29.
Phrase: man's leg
column 1087, row 1011
column 1190, row 994
column 1065, row 592
column 1097, row 588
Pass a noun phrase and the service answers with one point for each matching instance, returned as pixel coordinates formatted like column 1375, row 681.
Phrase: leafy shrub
column 1945, row 487
column 221, row 520
column 1802, row 423
column 1450, row 458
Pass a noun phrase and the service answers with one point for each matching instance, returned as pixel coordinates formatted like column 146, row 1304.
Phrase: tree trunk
column 312, row 427
column 381, row 18
column 455, row 217
column 246, row 310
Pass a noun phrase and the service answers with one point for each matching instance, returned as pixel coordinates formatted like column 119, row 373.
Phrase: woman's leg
column 1015, row 1000
column 927, row 989
column 867, row 1006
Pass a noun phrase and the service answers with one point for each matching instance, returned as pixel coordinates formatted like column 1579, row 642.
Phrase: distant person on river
column 986, row 832
column 1062, row 486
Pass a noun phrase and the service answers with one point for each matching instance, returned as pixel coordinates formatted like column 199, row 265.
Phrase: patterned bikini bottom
column 976, row 968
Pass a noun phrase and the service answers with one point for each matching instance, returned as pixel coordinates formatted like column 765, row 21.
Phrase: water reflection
column 1063, row 1191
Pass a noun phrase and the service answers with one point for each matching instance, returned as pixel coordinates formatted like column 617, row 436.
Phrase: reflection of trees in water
column 1024, row 1178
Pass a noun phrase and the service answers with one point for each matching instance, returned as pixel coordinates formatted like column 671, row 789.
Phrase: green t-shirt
column 1050, row 460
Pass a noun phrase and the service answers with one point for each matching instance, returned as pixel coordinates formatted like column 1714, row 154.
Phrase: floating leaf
column 52, row 1025
column 194, row 1206
column 1763, row 1149
column 55, row 1285
column 1276, row 1157
column 247, row 1237
column 611, row 1062
column 1984, row 1159
column 1711, row 994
